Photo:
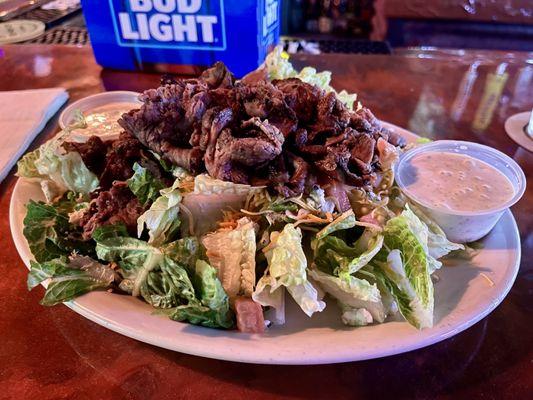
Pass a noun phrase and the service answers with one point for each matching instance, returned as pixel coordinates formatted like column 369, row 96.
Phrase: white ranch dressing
column 102, row 121
column 457, row 182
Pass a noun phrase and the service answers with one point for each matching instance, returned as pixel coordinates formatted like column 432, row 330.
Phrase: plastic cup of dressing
column 464, row 187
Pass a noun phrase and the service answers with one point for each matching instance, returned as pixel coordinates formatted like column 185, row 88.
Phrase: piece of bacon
column 249, row 315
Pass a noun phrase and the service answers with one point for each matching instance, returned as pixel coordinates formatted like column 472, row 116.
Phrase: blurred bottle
column 312, row 13
column 491, row 96
column 338, row 15
column 464, row 91
column 351, row 18
column 296, row 10
column 325, row 23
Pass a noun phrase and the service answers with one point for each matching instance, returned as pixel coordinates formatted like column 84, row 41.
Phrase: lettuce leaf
column 355, row 316
column 333, row 255
column 317, row 199
column 232, row 254
column 185, row 251
column 135, row 257
column 144, row 185
column 49, row 233
column 346, row 220
column 56, row 169
column 69, row 279
column 160, row 277
column 352, row 292
column 167, row 285
column 404, row 266
column 212, row 309
column 204, row 207
column 438, row 243
column 162, row 218
column 287, row 269
column 204, row 184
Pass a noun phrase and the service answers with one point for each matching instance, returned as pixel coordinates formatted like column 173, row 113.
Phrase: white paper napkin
column 23, row 114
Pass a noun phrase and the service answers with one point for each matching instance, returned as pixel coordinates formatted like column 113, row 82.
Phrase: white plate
column 463, row 296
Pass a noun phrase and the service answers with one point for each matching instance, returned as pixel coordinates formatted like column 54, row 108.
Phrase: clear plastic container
column 465, row 226
column 124, row 100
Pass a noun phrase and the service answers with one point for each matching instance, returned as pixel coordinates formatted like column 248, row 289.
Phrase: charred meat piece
column 331, row 117
column 294, row 132
column 113, row 206
column 119, row 160
column 363, row 148
column 300, row 97
column 218, row 76
column 258, row 142
column 254, row 144
column 264, row 100
column 92, row 152
column 113, row 160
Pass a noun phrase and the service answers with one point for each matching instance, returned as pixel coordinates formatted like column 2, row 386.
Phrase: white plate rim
column 316, row 357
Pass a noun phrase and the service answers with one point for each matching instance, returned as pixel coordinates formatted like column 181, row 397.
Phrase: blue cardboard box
column 160, row 34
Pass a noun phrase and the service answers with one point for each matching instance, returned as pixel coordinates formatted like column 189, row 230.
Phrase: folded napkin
column 23, row 114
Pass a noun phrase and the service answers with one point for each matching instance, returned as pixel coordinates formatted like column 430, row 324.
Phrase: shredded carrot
column 490, row 281
column 187, row 185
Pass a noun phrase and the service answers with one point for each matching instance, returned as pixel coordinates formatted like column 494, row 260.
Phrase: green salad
column 227, row 242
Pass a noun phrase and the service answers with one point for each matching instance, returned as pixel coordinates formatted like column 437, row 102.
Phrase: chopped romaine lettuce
column 167, row 285
column 392, row 275
column 69, row 279
column 352, row 292
column 317, row 200
column 405, row 266
column 204, row 184
column 212, row 309
column 232, row 254
column 355, row 316
column 135, row 257
column 144, row 185
column 162, row 218
column 185, row 251
column 56, row 169
column 334, row 255
column 49, row 233
column 345, row 221
column 422, row 233
column 438, row 244
column 287, row 269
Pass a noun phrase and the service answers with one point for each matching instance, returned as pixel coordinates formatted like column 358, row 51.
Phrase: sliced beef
column 218, row 76
column 293, row 133
column 113, row 160
column 113, row 206
column 363, row 148
column 264, row 100
column 120, row 157
column 252, row 145
column 300, row 97
column 92, row 152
